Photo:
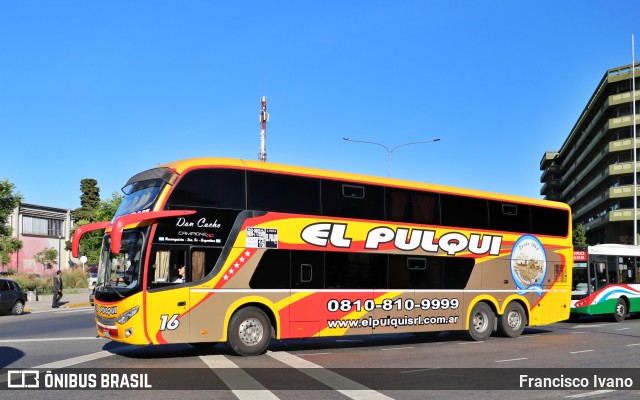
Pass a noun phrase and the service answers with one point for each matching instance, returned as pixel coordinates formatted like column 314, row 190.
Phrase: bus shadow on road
column 308, row 344
column 163, row 351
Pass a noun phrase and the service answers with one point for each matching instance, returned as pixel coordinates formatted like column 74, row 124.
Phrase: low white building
column 40, row 227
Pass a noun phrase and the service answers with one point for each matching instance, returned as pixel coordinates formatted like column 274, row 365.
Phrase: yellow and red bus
column 277, row 251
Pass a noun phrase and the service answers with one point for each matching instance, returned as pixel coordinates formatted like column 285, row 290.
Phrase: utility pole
column 264, row 119
column 635, row 171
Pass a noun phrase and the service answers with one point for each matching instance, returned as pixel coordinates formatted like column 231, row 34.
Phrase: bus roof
column 614, row 249
column 183, row 165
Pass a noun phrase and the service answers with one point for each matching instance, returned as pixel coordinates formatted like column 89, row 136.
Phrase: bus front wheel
column 481, row 322
column 249, row 332
column 512, row 322
column 621, row 310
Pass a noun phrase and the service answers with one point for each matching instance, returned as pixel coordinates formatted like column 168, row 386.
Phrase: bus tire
column 481, row 322
column 512, row 322
column 249, row 332
column 620, row 313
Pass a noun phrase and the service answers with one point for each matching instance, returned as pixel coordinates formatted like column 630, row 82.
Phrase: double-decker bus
column 276, row 251
column 605, row 281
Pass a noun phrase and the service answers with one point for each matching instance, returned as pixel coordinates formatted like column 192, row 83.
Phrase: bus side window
column 307, row 269
column 306, row 273
column 197, row 265
column 165, row 263
column 161, row 270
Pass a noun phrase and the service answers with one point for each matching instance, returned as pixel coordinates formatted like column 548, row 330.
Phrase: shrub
column 73, row 278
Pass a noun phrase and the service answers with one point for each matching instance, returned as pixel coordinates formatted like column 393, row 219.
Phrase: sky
column 105, row 90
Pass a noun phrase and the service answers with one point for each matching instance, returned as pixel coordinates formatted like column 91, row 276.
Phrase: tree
column 48, row 257
column 89, row 200
column 9, row 200
column 580, row 236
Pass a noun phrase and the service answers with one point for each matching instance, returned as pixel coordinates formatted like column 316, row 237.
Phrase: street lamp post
column 59, row 250
column 389, row 151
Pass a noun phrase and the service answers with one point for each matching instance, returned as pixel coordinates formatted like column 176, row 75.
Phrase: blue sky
column 104, row 90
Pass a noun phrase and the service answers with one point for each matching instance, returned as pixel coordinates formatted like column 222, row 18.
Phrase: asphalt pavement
column 70, row 299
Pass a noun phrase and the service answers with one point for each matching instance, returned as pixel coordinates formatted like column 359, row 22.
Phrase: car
column 93, row 279
column 92, row 295
column 12, row 298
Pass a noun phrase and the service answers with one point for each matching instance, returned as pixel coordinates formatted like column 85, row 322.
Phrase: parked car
column 92, row 295
column 93, row 278
column 12, row 298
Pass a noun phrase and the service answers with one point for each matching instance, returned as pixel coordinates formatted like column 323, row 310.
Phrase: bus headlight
column 128, row 314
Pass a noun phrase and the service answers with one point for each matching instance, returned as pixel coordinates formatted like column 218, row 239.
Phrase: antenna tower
column 264, row 119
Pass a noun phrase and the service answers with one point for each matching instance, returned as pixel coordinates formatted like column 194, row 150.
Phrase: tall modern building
column 593, row 170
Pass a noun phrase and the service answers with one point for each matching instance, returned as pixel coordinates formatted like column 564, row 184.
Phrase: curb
column 66, row 306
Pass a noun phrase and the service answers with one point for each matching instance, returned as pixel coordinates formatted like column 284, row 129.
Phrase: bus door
column 307, row 282
column 599, row 273
column 167, row 298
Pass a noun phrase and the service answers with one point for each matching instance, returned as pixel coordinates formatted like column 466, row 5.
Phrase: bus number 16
column 169, row 323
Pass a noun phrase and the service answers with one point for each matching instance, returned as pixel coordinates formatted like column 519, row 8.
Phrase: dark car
column 12, row 298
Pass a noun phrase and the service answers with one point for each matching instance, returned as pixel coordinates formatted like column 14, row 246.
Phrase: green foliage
column 108, row 208
column 9, row 200
column 89, row 200
column 31, row 283
column 580, row 236
column 92, row 242
column 74, row 278
column 48, row 257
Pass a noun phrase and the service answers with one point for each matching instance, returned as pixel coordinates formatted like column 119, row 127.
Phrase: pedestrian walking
column 57, row 290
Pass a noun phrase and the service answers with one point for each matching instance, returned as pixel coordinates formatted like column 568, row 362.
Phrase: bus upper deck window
column 353, row 192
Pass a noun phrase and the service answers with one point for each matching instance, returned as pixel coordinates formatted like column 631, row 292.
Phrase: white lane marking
column 49, row 339
column 417, row 370
column 590, row 326
column 397, row 348
column 65, row 363
column 234, row 377
column 76, row 360
column 622, row 329
column 633, row 344
column 588, row 394
column 355, row 390
column 581, row 351
column 512, row 359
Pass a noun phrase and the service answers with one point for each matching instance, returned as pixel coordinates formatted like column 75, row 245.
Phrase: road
column 400, row 366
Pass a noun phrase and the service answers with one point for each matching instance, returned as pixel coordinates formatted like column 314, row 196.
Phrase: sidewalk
column 79, row 298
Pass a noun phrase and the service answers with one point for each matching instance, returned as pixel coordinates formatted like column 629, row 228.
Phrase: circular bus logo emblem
column 528, row 264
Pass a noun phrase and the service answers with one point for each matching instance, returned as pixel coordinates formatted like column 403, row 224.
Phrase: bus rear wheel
column 481, row 322
column 249, row 332
column 621, row 310
column 512, row 322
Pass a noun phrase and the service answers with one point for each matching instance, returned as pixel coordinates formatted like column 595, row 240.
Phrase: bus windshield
column 142, row 190
column 580, row 279
column 119, row 275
